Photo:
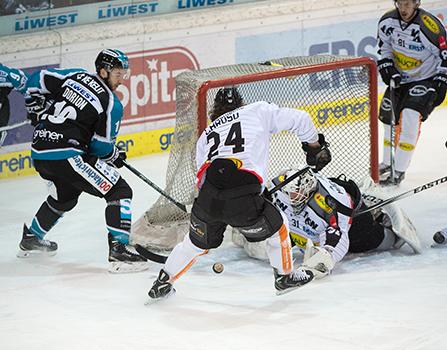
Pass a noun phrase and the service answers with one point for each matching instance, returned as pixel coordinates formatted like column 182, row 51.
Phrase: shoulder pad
column 430, row 25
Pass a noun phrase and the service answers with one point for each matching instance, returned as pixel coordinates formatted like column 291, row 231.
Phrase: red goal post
column 339, row 92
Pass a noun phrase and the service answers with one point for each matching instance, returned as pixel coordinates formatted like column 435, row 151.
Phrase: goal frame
column 287, row 72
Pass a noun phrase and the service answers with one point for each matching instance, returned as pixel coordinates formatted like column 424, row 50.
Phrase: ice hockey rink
column 392, row 300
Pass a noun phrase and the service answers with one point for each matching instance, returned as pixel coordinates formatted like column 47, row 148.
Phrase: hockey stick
column 404, row 195
column 392, row 130
column 155, row 187
column 16, row 125
column 161, row 259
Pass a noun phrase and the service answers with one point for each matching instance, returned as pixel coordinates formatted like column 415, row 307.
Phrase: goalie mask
column 300, row 190
column 226, row 100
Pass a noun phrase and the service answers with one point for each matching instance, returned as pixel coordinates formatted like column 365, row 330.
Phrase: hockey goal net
column 339, row 92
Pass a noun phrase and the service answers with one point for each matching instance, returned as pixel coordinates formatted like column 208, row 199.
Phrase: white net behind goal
column 339, row 92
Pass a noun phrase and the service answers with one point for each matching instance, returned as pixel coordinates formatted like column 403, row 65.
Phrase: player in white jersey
column 413, row 54
column 322, row 225
column 232, row 156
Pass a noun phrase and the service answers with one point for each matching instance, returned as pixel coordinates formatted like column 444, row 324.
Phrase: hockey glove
column 36, row 106
column 317, row 157
column 440, row 81
column 116, row 158
column 388, row 71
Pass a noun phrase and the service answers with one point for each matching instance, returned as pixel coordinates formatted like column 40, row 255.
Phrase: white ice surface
column 392, row 300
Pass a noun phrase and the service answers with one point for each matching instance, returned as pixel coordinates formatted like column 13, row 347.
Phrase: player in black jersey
column 74, row 149
column 413, row 57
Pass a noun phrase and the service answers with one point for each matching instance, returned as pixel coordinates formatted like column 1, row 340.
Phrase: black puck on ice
column 218, row 267
column 439, row 238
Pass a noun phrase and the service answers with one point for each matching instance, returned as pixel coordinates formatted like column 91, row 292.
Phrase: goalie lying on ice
column 322, row 223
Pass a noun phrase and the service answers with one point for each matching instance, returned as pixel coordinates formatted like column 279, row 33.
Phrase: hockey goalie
column 323, row 224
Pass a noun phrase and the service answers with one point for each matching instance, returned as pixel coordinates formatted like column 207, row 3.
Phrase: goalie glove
column 318, row 260
column 317, row 157
column 389, row 72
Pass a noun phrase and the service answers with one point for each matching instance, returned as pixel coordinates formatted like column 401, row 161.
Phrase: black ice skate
column 161, row 288
column 33, row 245
column 384, row 169
column 122, row 260
column 295, row 279
column 398, row 177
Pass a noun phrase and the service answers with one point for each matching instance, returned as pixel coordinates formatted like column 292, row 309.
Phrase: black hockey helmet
column 226, row 100
column 111, row 58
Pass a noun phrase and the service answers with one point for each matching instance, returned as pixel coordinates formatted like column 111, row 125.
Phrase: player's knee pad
column 205, row 235
column 119, row 191
column 266, row 225
column 421, row 98
column 61, row 207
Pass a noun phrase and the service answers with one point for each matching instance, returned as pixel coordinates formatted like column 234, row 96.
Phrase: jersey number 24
column 234, row 138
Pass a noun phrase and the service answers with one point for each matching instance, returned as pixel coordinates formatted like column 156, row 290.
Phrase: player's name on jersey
column 226, row 118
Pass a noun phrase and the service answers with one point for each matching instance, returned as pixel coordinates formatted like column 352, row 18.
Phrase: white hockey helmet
column 301, row 189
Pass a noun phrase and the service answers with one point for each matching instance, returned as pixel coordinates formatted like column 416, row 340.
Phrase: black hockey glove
column 116, row 158
column 317, row 157
column 440, row 81
column 388, row 71
column 36, row 106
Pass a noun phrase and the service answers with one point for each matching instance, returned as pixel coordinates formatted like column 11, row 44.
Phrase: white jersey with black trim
column 418, row 48
column 244, row 136
column 310, row 224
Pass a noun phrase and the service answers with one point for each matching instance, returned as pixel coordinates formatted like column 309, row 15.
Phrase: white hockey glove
column 318, row 260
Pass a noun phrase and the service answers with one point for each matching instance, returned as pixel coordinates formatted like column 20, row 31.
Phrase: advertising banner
column 18, row 17
column 148, row 96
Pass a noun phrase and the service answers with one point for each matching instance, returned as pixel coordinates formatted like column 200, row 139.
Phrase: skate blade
column 34, row 253
column 151, row 301
column 288, row 290
column 126, row 267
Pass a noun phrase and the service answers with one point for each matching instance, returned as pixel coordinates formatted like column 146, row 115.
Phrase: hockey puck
column 439, row 238
column 218, row 267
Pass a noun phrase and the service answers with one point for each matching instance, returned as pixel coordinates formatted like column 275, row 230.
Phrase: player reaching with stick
column 74, row 149
column 413, row 56
column 232, row 156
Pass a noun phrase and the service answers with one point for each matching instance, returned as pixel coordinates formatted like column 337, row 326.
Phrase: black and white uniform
column 317, row 221
column 338, row 233
column 71, row 145
column 418, row 50
column 232, row 156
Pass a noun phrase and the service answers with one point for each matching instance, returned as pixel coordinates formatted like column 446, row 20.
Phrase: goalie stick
column 408, row 193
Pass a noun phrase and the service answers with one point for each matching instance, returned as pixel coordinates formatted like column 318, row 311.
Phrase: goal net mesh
column 339, row 92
